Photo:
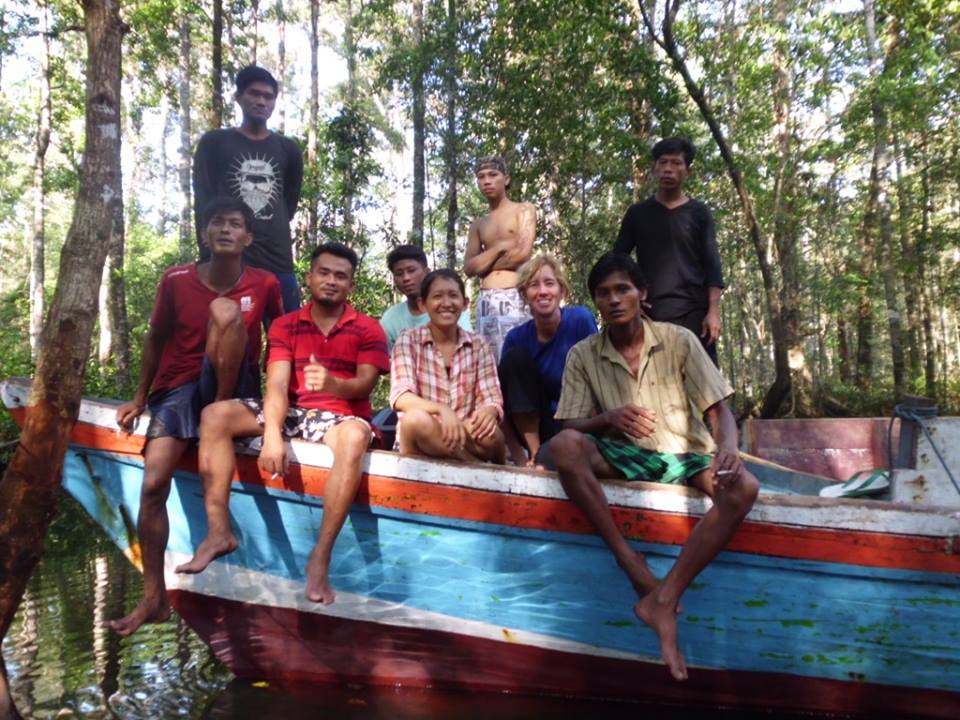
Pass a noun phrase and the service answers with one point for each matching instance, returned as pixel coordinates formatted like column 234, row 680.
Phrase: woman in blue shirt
column 534, row 354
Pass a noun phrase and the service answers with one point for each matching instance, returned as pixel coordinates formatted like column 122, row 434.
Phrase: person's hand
column 128, row 413
column 453, row 434
column 711, row 327
column 273, row 455
column 727, row 469
column 317, row 378
column 482, row 422
column 633, row 420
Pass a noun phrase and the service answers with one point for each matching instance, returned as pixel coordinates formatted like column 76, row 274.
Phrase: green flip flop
column 864, row 483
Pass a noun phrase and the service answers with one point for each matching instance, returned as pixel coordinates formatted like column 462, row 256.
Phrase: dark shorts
column 175, row 412
column 637, row 463
column 310, row 425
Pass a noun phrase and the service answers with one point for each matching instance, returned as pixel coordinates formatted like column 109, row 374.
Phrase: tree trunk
column 929, row 365
column 641, row 115
column 910, row 277
column 350, row 52
column 255, row 22
column 30, row 488
column 187, row 242
column 37, row 256
column 281, row 66
column 450, row 88
column 312, row 209
column 216, row 67
column 419, row 125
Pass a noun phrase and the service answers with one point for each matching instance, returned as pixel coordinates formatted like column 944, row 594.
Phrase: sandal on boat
column 861, row 484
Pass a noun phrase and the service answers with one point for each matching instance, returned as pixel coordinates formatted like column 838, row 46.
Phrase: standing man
column 675, row 242
column 261, row 168
column 497, row 244
column 635, row 399
column 323, row 361
column 408, row 265
column 203, row 345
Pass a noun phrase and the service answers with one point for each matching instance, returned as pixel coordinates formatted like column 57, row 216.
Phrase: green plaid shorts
column 637, row 463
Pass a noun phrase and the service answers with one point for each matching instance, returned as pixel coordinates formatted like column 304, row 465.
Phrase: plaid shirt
column 471, row 382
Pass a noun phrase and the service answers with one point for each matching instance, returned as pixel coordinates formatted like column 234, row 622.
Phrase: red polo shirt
column 356, row 339
column 182, row 312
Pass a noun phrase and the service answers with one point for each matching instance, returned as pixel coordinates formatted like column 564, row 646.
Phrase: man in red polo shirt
column 322, row 364
column 203, row 345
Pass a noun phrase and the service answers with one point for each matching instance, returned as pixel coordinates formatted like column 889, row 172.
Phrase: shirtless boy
column 497, row 244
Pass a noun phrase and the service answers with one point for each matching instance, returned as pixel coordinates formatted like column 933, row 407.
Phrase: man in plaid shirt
column 444, row 382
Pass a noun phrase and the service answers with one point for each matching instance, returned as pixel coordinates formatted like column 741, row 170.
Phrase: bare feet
column 661, row 617
column 210, row 549
column 319, row 589
column 148, row 611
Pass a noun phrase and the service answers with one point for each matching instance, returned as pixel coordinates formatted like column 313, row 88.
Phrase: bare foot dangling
column 210, row 549
column 661, row 617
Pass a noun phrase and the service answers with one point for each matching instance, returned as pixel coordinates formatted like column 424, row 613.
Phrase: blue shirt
column 398, row 318
column 576, row 323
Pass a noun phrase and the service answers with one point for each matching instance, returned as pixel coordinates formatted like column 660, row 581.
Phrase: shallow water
column 63, row 663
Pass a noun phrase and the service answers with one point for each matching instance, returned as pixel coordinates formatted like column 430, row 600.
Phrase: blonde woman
column 534, row 355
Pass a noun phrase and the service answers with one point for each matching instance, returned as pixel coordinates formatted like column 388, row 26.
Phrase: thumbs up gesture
column 316, row 377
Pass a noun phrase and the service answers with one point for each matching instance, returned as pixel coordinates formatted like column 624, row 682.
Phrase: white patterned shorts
column 310, row 425
column 498, row 312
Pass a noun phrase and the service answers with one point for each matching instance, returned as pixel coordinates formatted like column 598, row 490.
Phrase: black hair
column 405, row 252
column 254, row 73
column 444, row 273
column 610, row 263
column 675, row 146
column 336, row 249
column 225, row 204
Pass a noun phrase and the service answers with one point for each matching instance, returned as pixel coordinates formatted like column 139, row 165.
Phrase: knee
column 224, row 313
column 567, row 449
column 745, row 494
column 214, row 419
column 155, row 489
column 354, row 439
column 416, row 421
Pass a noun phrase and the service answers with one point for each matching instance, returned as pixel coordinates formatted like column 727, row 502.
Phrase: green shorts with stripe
column 637, row 463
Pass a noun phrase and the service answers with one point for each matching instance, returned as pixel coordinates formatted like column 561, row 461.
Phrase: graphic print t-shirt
column 266, row 175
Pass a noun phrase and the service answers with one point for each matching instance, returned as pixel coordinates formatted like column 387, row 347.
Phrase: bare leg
column 220, row 423
column 528, row 425
column 160, row 459
column 420, row 435
column 490, row 449
column 349, row 441
column 579, row 464
column 226, row 343
column 708, row 538
column 514, row 445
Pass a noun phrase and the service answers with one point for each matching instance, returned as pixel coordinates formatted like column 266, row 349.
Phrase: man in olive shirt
column 675, row 243
column 634, row 400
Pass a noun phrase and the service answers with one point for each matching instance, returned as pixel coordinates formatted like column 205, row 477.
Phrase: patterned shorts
column 310, row 425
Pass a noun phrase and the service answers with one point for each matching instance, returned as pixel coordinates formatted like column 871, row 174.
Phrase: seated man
column 443, row 381
column 634, row 398
column 203, row 345
column 408, row 265
column 323, row 361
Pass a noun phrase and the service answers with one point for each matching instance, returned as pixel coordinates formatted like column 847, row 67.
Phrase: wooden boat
column 471, row 576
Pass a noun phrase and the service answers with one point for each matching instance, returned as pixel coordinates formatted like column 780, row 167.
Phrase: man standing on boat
column 261, row 168
column 323, row 361
column 635, row 397
column 676, row 246
column 497, row 244
column 203, row 345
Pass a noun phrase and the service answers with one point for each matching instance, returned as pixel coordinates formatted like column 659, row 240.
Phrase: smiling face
column 407, row 276
column 330, row 280
column 618, row 299
column 543, row 293
column 492, row 182
column 671, row 170
column 257, row 101
column 444, row 303
column 227, row 234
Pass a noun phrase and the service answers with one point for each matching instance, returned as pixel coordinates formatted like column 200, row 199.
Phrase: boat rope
column 919, row 415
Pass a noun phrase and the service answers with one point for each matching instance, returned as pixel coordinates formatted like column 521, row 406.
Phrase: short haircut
column 224, row 204
column 254, row 73
column 610, row 263
column 532, row 266
column 491, row 161
column 405, row 252
column 338, row 250
column 441, row 273
column 675, row 146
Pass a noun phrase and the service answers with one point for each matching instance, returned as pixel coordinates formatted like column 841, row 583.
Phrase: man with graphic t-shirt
column 261, row 168
column 203, row 345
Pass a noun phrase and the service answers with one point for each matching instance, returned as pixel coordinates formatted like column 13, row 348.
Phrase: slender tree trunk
column 30, row 489
column 929, row 365
column 641, row 114
column 187, row 243
column 910, row 277
column 216, row 67
column 281, row 66
column 312, row 209
column 162, row 222
column 843, row 351
column 450, row 88
column 350, row 51
column 255, row 22
column 38, row 244
column 419, row 125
